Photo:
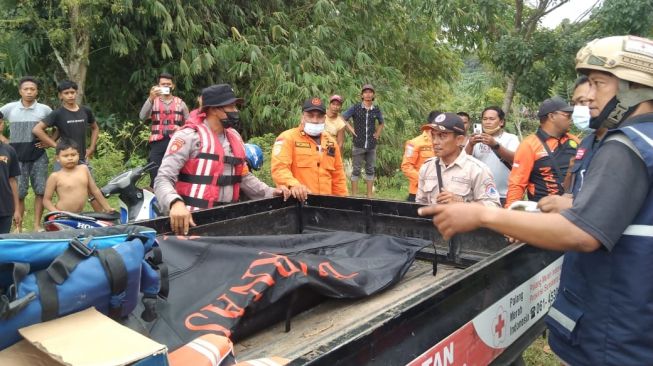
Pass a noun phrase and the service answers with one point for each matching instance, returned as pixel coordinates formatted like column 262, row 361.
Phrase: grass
column 539, row 354
column 392, row 188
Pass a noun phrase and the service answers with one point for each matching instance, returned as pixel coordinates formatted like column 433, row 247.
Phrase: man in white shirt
column 495, row 147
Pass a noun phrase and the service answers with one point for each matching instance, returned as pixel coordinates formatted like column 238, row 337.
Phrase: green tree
column 275, row 53
column 503, row 33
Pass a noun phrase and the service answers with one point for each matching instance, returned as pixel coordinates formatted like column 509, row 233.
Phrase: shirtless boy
column 73, row 183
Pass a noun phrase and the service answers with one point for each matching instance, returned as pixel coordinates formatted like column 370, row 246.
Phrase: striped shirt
column 21, row 122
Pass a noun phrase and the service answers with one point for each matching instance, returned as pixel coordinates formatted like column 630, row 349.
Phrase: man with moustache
column 542, row 159
column 495, row 147
column 603, row 312
column 453, row 176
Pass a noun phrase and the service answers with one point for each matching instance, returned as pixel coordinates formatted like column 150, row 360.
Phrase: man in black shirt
column 72, row 121
column 603, row 313
column 9, row 170
column 366, row 115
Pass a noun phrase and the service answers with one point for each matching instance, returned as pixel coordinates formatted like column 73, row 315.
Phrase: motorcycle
column 135, row 204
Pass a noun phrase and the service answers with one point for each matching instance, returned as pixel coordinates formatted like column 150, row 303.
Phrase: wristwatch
column 496, row 146
column 175, row 200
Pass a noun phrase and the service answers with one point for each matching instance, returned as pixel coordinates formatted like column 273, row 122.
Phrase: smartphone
column 164, row 90
column 478, row 128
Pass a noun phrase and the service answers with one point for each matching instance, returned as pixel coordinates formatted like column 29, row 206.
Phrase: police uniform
column 188, row 170
column 466, row 177
column 416, row 152
column 297, row 159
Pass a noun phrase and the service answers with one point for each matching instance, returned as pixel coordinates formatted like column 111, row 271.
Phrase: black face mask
column 596, row 122
column 232, row 120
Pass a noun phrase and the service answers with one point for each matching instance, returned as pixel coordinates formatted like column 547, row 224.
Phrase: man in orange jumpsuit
column 416, row 151
column 307, row 159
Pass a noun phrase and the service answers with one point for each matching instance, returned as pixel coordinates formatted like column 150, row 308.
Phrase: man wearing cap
column 334, row 124
column 574, row 177
column 542, row 159
column 204, row 165
column 453, row 176
column 307, row 159
column 368, row 124
column 416, row 152
column 603, row 311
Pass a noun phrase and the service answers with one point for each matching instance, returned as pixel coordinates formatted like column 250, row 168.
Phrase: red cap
column 335, row 97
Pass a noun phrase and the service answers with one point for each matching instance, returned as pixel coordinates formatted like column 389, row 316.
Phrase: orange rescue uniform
column 297, row 159
column 416, row 152
column 532, row 170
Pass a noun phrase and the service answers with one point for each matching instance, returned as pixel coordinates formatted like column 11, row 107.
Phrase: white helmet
column 628, row 58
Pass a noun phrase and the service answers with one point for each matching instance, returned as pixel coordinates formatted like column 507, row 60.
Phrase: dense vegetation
column 421, row 55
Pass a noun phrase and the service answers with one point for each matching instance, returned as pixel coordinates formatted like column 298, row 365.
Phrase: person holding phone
column 452, row 175
column 167, row 114
column 603, row 311
column 495, row 147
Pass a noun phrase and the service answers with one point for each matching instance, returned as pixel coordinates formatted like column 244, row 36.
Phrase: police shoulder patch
column 175, row 145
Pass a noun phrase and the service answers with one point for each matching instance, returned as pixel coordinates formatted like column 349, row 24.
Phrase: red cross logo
column 498, row 328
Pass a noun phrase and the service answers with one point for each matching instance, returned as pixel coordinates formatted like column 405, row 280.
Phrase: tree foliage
column 275, row 53
column 534, row 61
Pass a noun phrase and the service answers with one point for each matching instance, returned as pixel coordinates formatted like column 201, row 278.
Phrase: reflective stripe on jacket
column 603, row 314
column 416, row 152
column 201, row 177
column 165, row 120
column 298, row 159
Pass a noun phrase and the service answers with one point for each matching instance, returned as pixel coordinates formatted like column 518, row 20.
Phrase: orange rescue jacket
column 416, row 152
column 532, row 170
column 297, row 159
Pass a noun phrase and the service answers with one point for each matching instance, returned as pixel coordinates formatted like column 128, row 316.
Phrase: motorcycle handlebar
column 116, row 183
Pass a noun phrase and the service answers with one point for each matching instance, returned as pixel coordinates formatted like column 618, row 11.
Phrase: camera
column 478, row 128
column 165, row 90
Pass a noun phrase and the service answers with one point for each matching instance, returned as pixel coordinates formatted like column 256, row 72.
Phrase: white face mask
column 581, row 117
column 313, row 129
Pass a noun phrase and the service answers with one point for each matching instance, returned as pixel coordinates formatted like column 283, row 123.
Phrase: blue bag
column 108, row 273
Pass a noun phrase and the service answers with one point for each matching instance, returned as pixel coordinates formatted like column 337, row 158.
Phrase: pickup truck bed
column 333, row 321
column 410, row 322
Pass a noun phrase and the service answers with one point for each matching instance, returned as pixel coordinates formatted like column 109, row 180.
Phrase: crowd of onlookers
column 594, row 195
column 484, row 165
